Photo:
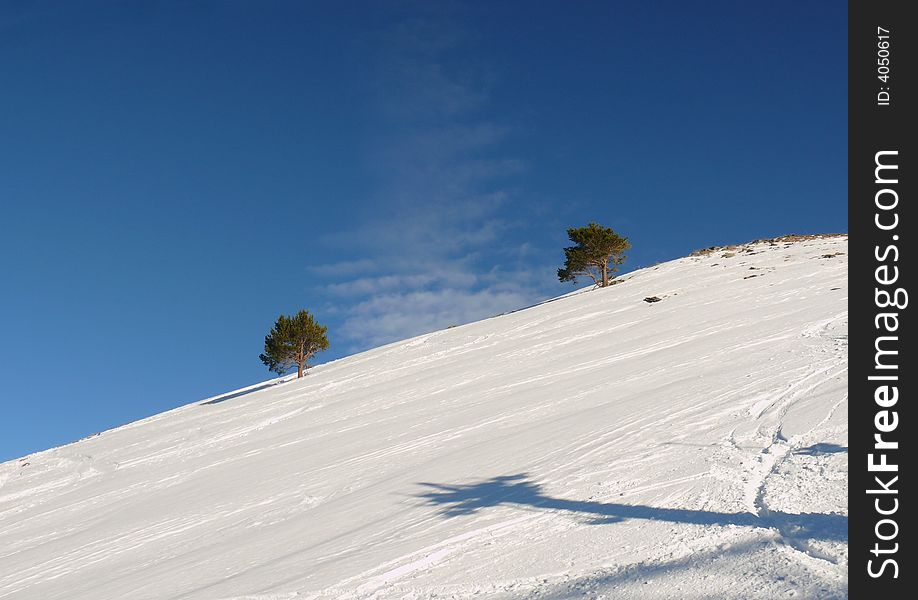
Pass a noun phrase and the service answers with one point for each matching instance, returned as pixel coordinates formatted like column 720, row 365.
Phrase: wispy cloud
column 388, row 317
column 438, row 238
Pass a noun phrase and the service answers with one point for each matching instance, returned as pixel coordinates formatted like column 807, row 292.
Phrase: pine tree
column 292, row 341
column 597, row 254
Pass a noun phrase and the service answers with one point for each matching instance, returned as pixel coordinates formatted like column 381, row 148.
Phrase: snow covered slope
column 593, row 446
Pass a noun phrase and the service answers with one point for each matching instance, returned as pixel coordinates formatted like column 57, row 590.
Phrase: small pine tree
column 597, row 254
column 292, row 341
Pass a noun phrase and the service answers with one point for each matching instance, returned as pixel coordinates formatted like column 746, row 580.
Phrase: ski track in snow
column 590, row 446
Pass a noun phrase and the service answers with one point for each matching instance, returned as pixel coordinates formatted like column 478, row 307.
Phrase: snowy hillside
column 593, row 446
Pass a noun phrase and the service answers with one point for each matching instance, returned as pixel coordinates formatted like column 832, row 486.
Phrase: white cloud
column 344, row 268
column 437, row 237
column 396, row 282
column 389, row 317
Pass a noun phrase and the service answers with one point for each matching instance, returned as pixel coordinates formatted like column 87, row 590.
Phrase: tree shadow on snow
column 232, row 395
column 725, row 564
column 465, row 499
column 817, row 449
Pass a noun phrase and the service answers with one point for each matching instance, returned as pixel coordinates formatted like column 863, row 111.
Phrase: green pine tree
column 292, row 341
column 597, row 253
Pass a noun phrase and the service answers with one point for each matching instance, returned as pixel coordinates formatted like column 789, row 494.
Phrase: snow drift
column 596, row 445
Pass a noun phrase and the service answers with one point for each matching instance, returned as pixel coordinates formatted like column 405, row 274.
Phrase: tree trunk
column 605, row 274
column 300, row 360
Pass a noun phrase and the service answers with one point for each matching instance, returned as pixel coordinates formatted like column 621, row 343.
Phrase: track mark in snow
column 421, row 559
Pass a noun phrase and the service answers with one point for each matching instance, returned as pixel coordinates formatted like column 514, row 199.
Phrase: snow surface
column 593, row 446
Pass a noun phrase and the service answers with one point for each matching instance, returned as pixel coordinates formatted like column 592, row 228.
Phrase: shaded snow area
column 594, row 446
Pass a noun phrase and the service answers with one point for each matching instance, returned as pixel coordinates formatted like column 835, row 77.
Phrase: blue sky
column 174, row 175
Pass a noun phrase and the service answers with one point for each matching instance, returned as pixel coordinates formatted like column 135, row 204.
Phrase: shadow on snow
column 722, row 561
column 465, row 499
column 244, row 392
column 821, row 448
